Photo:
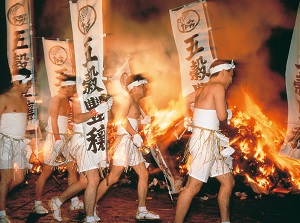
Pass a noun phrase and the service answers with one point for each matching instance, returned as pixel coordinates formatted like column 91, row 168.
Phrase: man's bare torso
column 13, row 103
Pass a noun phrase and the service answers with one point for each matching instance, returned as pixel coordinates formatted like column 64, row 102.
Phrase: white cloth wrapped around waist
column 14, row 124
column 206, row 119
column 133, row 122
column 62, row 122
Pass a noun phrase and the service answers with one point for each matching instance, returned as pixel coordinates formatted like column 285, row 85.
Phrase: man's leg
column 93, row 178
column 19, row 175
column 142, row 187
column 40, row 184
column 143, row 174
column 56, row 202
column 73, row 189
column 6, row 177
column 185, row 198
column 72, row 173
column 41, row 181
column 76, row 204
column 112, row 178
column 226, row 187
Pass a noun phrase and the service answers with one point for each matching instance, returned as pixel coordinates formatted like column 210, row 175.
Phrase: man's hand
column 110, row 102
column 229, row 115
column 58, row 143
column 188, row 124
column 146, row 120
column 104, row 106
column 137, row 140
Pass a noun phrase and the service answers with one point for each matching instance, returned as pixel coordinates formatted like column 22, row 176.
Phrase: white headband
column 136, row 83
column 22, row 78
column 221, row 67
column 67, row 83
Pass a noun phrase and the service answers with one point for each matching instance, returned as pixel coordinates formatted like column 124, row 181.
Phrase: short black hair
column 23, row 71
column 68, row 77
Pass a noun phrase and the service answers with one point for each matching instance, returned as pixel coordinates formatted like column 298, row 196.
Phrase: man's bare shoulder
column 121, row 99
column 3, row 96
column 215, row 87
column 4, row 99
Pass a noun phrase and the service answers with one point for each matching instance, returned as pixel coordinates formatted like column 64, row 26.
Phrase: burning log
column 257, row 141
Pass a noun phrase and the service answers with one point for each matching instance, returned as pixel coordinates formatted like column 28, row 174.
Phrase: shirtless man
column 126, row 152
column 88, row 164
column 206, row 159
column 56, row 142
column 13, row 115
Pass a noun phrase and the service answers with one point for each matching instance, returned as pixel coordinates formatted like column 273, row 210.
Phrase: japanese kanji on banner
column 19, row 43
column 59, row 61
column 87, row 26
column 192, row 34
column 291, row 145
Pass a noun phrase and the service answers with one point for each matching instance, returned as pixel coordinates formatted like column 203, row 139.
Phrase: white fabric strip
column 67, row 83
column 22, row 78
column 136, row 83
column 221, row 67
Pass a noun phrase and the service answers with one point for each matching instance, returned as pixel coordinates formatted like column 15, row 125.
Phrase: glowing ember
column 257, row 141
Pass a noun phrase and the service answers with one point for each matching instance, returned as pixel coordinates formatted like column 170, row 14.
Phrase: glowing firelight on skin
column 258, row 139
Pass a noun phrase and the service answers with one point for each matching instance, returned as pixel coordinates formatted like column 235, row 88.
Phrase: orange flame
column 163, row 120
column 258, row 140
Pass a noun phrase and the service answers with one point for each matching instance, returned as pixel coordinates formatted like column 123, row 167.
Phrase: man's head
column 136, row 80
column 136, row 85
column 223, row 70
column 22, row 78
column 218, row 65
column 67, row 84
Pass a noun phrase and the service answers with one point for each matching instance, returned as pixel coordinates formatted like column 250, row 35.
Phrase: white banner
column 59, row 60
column 87, row 26
column 19, row 43
column 291, row 146
column 117, row 86
column 191, row 34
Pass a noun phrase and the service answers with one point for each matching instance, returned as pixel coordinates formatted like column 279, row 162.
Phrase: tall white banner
column 291, row 145
column 19, row 43
column 87, row 26
column 192, row 36
column 117, row 86
column 59, row 60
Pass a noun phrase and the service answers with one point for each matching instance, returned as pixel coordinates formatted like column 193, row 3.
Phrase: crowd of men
column 208, row 150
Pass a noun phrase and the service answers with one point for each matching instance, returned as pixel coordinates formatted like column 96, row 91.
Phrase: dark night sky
column 268, row 27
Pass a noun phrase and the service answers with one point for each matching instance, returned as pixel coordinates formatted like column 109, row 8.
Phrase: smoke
column 141, row 30
column 248, row 26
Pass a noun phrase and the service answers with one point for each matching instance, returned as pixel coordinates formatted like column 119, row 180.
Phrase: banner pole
column 31, row 31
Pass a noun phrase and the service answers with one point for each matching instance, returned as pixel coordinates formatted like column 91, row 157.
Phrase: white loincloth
column 51, row 153
column 209, row 149
column 206, row 119
column 13, row 142
column 86, row 160
column 125, row 153
column 14, row 124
